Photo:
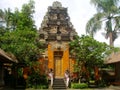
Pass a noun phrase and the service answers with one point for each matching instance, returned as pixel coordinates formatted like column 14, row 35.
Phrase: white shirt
column 51, row 75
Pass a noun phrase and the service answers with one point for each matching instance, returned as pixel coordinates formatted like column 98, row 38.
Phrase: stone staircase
column 59, row 84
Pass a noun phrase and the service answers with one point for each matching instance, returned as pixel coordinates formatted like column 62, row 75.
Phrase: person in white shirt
column 67, row 78
column 51, row 77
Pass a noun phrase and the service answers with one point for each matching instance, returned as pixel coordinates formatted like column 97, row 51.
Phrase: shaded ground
column 106, row 88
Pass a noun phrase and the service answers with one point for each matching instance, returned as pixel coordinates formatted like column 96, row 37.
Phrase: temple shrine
column 56, row 32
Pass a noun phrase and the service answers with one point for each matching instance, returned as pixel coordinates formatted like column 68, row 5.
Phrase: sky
column 80, row 11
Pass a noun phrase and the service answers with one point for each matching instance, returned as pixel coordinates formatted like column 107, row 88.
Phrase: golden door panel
column 58, row 67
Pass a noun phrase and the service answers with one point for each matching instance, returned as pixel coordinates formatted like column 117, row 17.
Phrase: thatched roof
column 113, row 58
column 5, row 57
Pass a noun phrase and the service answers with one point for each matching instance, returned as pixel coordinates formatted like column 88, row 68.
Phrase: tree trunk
column 111, row 39
column 96, row 70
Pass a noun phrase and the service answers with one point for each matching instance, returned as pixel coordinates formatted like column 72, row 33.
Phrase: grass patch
column 79, row 85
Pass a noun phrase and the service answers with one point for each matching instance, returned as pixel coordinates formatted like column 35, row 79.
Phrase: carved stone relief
column 56, row 24
column 63, row 30
column 55, row 45
column 57, row 4
column 53, row 29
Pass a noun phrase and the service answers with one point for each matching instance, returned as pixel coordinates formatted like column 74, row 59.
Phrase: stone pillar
column 1, row 74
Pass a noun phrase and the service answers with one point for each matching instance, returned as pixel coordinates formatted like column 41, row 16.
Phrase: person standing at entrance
column 51, row 77
column 67, row 78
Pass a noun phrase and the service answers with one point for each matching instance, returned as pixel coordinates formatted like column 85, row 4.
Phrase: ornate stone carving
column 55, row 45
column 57, row 4
column 63, row 30
column 58, row 37
column 53, row 29
column 43, row 33
column 56, row 25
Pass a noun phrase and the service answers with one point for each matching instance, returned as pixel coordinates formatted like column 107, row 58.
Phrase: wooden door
column 58, row 63
column 58, row 67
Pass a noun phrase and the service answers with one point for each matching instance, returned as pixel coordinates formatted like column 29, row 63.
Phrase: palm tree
column 2, row 21
column 1, row 14
column 108, row 15
column 9, row 18
column 6, row 16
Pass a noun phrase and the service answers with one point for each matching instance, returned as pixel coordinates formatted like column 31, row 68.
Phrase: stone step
column 59, row 84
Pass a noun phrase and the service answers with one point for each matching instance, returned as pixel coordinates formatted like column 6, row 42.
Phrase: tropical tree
column 26, row 17
column 21, row 39
column 6, row 17
column 89, row 54
column 14, row 19
column 1, row 17
column 107, row 16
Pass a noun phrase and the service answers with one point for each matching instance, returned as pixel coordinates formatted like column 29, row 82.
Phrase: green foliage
column 21, row 38
column 2, row 31
column 88, row 50
column 20, row 72
column 89, row 53
column 25, row 20
column 19, row 20
column 79, row 85
column 102, row 83
column 22, row 44
column 35, row 80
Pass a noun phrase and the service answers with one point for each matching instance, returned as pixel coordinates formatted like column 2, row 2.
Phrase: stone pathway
column 106, row 88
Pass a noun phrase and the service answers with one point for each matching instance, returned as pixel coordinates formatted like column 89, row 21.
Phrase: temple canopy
column 7, row 58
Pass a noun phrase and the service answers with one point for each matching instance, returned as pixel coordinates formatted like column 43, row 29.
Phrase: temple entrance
column 58, row 63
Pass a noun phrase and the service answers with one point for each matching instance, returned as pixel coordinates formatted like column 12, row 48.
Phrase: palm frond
column 1, row 14
column 104, row 5
column 111, row 18
column 94, row 24
column 117, row 23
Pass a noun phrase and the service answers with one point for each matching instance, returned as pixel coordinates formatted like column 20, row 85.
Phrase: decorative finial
column 57, row 4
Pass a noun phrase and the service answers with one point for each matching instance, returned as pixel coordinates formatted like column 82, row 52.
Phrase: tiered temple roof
column 56, row 25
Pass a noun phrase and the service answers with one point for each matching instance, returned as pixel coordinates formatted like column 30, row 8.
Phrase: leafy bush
column 37, row 81
column 79, row 85
column 40, row 87
column 35, row 78
column 102, row 83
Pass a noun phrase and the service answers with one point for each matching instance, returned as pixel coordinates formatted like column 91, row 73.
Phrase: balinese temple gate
column 56, row 32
